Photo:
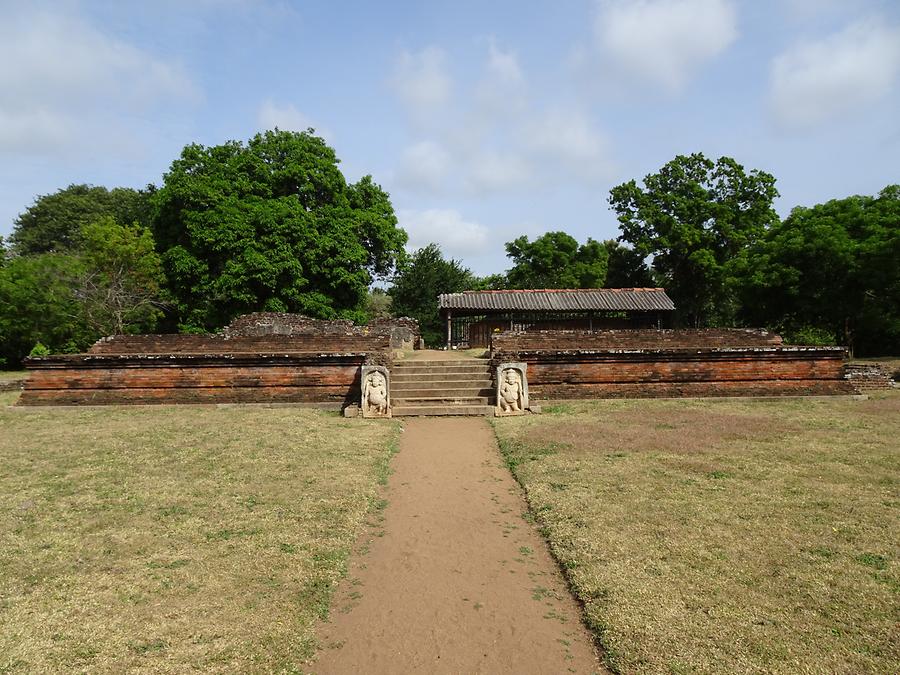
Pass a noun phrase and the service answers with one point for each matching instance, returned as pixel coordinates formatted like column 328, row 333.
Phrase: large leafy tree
column 833, row 269
column 119, row 287
column 556, row 260
column 420, row 279
column 38, row 304
column 271, row 225
column 53, row 223
column 626, row 268
column 696, row 218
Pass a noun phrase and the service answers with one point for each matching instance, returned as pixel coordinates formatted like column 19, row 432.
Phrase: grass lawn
column 10, row 375
column 172, row 538
column 724, row 536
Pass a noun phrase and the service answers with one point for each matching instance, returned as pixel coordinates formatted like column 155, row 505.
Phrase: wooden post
column 449, row 330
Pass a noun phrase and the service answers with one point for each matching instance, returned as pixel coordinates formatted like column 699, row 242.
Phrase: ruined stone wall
column 668, row 364
column 221, row 344
column 635, row 339
column 869, row 376
column 282, row 323
column 403, row 332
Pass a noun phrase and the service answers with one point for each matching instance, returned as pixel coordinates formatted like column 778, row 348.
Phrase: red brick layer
column 634, row 339
column 754, row 371
column 228, row 378
column 219, row 344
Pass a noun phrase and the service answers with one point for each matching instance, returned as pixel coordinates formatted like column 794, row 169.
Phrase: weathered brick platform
column 313, row 369
column 671, row 363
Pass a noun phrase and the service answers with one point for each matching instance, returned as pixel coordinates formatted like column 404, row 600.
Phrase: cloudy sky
column 483, row 119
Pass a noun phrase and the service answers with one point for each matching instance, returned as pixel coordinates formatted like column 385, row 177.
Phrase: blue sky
column 484, row 120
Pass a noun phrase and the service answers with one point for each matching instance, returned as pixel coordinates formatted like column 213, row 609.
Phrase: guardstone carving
column 375, row 399
column 512, row 389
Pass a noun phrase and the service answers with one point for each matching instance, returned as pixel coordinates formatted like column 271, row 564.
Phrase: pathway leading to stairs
column 453, row 579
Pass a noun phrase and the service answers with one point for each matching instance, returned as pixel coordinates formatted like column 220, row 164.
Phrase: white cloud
column 501, row 91
column 424, row 166
column 61, row 78
column 456, row 236
column 421, row 80
column 664, row 42
column 491, row 171
column 286, row 118
column 567, row 137
column 815, row 81
column 503, row 66
column 36, row 130
column 500, row 143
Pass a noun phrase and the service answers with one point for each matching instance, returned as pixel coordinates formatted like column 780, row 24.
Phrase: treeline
column 707, row 232
column 267, row 225
column 272, row 225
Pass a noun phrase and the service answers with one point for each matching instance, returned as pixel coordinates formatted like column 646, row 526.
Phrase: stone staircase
column 459, row 387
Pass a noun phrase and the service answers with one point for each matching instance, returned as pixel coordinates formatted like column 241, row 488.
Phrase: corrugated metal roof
column 560, row 300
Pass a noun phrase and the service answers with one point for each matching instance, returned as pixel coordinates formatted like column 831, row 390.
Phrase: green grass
column 724, row 536
column 10, row 375
column 170, row 539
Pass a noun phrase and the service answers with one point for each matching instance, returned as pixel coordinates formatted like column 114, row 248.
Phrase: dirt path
column 454, row 579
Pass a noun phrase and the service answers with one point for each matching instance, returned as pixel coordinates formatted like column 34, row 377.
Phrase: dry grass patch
column 166, row 539
column 724, row 536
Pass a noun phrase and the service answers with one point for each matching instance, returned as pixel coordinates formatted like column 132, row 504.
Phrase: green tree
column 697, row 218
column 271, row 225
column 556, row 260
column 38, row 304
column 378, row 304
column 54, row 221
column 120, row 286
column 420, row 279
column 626, row 267
column 833, row 269
column 491, row 282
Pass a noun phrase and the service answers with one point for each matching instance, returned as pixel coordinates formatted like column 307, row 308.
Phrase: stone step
column 462, row 392
column 442, row 400
column 441, row 410
column 441, row 366
column 442, row 376
column 405, row 385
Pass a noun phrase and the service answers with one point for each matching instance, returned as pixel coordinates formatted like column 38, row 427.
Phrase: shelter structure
column 472, row 317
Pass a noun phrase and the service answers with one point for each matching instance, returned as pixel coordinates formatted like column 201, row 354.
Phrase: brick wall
column 81, row 379
column 868, row 376
column 261, row 357
column 766, row 370
column 283, row 323
column 220, row 344
column 634, row 339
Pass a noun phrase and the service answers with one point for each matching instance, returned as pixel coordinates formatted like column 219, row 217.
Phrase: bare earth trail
column 454, row 579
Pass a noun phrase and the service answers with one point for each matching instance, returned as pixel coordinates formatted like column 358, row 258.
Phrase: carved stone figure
column 510, row 399
column 375, row 397
column 512, row 389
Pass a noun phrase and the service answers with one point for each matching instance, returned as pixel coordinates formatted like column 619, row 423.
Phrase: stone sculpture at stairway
column 375, row 396
column 512, row 389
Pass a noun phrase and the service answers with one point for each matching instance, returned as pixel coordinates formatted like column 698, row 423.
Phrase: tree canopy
column 38, row 304
column 53, row 223
column 697, row 218
column 271, row 225
column 834, row 267
column 556, row 260
column 420, row 279
column 626, row 267
column 120, row 286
